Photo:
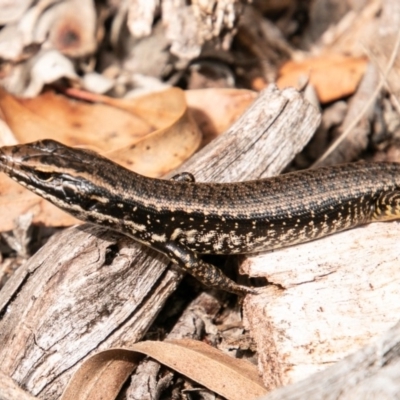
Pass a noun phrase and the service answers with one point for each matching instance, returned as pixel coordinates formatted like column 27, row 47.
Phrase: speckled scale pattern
column 182, row 218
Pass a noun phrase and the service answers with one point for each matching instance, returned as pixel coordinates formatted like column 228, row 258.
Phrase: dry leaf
column 103, row 373
column 72, row 33
column 333, row 76
column 43, row 32
column 47, row 67
column 71, row 122
column 106, row 372
column 175, row 139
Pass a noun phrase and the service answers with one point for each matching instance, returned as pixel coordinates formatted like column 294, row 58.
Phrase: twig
column 364, row 109
column 393, row 98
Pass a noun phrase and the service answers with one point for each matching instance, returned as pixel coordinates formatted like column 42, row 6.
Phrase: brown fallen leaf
column 107, row 371
column 214, row 110
column 75, row 123
column 333, row 76
column 175, row 138
column 102, row 126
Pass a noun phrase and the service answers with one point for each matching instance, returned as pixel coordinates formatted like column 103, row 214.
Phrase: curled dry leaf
column 150, row 135
column 72, row 33
column 333, row 76
column 74, row 123
column 175, row 138
column 48, row 67
column 106, row 372
column 53, row 24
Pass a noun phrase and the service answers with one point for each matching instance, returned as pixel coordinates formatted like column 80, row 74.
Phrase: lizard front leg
column 183, row 177
column 206, row 273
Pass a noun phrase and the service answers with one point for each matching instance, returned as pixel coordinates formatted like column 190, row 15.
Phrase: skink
column 182, row 218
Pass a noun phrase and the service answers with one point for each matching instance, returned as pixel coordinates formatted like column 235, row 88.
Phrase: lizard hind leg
column 206, row 273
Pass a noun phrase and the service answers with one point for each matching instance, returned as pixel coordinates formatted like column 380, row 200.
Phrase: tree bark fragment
column 371, row 373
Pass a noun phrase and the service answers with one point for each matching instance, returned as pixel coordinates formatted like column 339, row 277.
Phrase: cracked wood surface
column 326, row 300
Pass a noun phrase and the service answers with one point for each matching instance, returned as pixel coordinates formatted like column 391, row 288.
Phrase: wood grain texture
column 326, row 299
column 371, row 373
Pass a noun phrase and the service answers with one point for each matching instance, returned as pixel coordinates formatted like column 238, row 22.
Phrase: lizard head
column 63, row 175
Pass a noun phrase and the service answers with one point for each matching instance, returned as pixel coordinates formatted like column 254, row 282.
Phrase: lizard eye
column 44, row 176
